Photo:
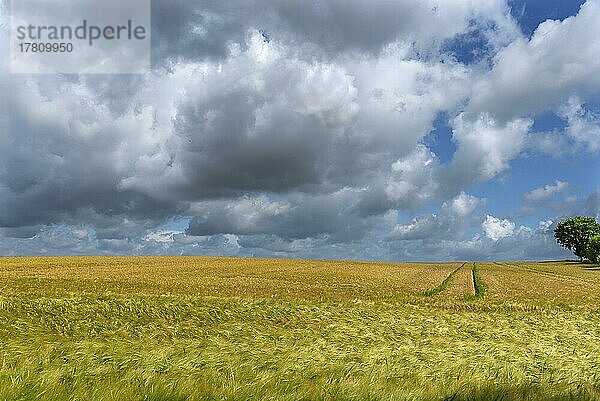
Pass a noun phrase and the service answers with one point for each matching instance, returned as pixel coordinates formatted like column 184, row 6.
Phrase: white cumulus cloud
column 546, row 192
column 496, row 229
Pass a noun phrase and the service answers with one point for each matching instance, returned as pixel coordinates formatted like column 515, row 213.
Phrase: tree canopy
column 575, row 233
column 593, row 249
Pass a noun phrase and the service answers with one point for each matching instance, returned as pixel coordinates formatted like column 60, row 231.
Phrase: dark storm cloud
column 197, row 30
column 63, row 156
column 341, row 25
column 226, row 154
column 20, row 232
column 335, row 216
column 200, row 30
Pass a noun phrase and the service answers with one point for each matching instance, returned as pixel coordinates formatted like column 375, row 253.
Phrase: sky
column 344, row 129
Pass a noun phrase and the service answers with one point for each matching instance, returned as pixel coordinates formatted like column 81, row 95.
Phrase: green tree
column 593, row 250
column 575, row 233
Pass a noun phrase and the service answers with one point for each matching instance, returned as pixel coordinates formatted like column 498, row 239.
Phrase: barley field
column 196, row 328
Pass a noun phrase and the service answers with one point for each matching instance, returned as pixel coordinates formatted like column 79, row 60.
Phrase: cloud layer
column 299, row 129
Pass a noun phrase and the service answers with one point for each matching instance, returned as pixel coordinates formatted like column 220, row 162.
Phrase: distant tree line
column 581, row 235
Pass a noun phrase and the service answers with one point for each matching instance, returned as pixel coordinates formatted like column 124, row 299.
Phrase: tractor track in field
column 544, row 273
column 474, row 287
column 444, row 284
column 479, row 286
column 477, row 290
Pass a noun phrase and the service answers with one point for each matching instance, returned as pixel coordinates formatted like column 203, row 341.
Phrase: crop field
column 199, row 328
